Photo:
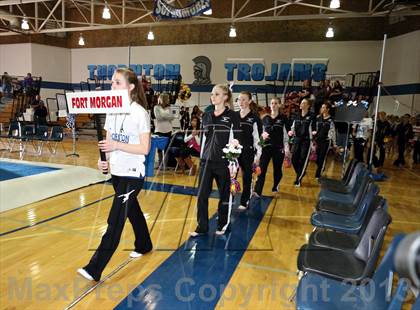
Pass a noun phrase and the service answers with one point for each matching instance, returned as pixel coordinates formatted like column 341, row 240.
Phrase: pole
column 129, row 56
column 378, row 95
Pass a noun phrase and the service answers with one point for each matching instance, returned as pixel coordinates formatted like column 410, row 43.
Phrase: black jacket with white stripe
column 217, row 131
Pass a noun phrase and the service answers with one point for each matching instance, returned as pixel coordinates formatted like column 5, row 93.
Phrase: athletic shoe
column 196, row 234
column 221, row 232
column 297, row 184
column 84, row 274
column 254, row 194
column 275, row 189
column 242, row 208
column 135, row 254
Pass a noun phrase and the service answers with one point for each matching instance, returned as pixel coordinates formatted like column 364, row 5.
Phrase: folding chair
column 40, row 138
column 56, row 137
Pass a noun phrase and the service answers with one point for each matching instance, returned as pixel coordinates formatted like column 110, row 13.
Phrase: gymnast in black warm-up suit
column 219, row 127
column 324, row 138
column 303, row 129
column 275, row 148
column 251, row 152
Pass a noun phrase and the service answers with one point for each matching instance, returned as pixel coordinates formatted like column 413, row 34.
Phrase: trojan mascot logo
column 202, row 69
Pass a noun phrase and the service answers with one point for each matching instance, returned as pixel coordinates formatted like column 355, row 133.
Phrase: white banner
column 98, row 102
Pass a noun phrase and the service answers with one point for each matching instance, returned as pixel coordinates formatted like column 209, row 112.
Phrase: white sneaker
column 135, row 254
column 220, row 232
column 242, row 208
column 195, row 234
column 84, row 274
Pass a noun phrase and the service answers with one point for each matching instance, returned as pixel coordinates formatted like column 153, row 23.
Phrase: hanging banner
column 98, row 102
column 165, row 10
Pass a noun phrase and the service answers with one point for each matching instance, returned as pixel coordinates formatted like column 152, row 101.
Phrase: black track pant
column 268, row 153
column 300, row 157
column 118, row 214
column 209, row 171
column 401, row 151
column 378, row 162
column 245, row 162
column 359, row 149
column 322, row 148
column 416, row 153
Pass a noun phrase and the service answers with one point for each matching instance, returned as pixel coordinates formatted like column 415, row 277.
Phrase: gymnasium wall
column 61, row 65
column 53, row 64
column 339, row 53
column 16, row 58
column 402, row 66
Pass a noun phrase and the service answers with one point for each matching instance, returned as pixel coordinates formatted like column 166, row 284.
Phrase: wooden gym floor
column 44, row 243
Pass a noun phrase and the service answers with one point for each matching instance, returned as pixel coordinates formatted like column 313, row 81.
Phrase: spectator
column 416, row 138
column 336, row 92
column 40, row 114
column 36, row 101
column 185, row 118
column 321, row 94
column 192, row 140
column 28, row 83
column 362, row 133
column 383, row 129
column 196, row 112
column 163, row 121
column 306, row 91
column 6, row 82
column 403, row 132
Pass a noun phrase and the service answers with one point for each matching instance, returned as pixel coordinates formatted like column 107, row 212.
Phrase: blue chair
column 316, row 292
column 352, row 224
column 352, row 265
column 328, row 238
column 346, row 184
column 159, row 143
column 349, row 200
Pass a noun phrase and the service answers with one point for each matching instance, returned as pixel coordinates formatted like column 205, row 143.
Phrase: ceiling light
column 329, row 33
column 81, row 40
column 105, row 13
column 232, row 32
column 150, row 36
column 335, row 4
column 24, row 25
column 208, row 12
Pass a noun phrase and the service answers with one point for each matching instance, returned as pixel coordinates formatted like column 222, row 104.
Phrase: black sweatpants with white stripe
column 246, row 161
column 300, row 157
column 125, row 205
column 268, row 153
column 209, row 171
column 322, row 148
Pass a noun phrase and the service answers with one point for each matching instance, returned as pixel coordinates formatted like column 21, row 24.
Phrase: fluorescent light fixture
column 24, row 25
column 329, row 33
column 208, row 12
column 232, row 32
column 150, row 35
column 335, row 4
column 106, row 14
column 81, row 40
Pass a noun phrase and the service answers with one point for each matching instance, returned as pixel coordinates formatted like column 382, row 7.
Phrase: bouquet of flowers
column 263, row 139
column 232, row 152
column 184, row 92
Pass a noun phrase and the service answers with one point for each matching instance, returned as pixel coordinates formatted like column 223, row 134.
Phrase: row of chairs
column 337, row 265
column 20, row 135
